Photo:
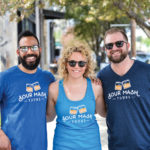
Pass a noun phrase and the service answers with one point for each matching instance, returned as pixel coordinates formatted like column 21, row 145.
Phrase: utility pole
column 133, row 38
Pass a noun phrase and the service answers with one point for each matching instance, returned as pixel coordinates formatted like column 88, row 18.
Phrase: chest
column 26, row 90
column 127, row 90
column 65, row 106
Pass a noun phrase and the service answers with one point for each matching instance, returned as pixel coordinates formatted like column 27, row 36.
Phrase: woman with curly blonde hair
column 75, row 100
column 66, row 53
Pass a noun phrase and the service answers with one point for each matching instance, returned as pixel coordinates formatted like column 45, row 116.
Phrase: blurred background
column 59, row 22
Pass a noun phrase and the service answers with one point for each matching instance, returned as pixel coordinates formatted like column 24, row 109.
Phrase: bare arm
column 100, row 104
column 4, row 141
column 52, row 97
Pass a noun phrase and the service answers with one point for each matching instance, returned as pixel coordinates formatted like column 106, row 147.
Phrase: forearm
column 101, row 108
column 4, row 141
column 50, row 116
column 101, row 111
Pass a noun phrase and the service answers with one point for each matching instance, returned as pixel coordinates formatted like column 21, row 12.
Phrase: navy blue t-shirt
column 128, row 107
column 23, row 100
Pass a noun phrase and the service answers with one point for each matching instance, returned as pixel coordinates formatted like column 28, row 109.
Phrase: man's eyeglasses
column 73, row 63
column 118, row 44
column 24, row 49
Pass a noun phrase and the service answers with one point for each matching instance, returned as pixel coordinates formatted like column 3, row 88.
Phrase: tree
column 88, row 22
column 110, row 10
column 26, row 7
column 92, row 17
column 106, row 10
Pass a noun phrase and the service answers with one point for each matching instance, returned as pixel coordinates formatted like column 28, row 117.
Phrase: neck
column 74, row 81
column 122, row 67
column 22, row 68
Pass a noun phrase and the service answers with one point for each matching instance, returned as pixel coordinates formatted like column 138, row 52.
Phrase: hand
column 4, row 141
column 96, row 81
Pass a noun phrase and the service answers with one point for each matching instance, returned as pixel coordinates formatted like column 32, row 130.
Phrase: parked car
column 143, row 56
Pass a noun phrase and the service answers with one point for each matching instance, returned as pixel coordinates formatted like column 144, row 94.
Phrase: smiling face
column 30, row 59
column 76, row 71
column 116, row 54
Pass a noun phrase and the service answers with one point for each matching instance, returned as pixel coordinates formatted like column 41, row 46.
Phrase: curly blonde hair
column 67, row 52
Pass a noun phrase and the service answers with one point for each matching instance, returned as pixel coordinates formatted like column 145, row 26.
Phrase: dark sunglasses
column 118, row 44
column 24, row 49
column 73, row 63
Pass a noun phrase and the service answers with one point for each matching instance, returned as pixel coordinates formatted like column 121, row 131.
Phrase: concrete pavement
column 103, row 132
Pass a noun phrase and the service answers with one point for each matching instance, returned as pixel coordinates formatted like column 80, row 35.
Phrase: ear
column 128, row 45
column 18, row 52
column 40, row 49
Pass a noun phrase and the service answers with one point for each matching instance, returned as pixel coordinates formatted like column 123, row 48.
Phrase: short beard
column 122, row 57
column 31, row 65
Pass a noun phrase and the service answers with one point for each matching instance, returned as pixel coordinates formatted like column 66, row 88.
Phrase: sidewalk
column 103, row 132
column 102, row 126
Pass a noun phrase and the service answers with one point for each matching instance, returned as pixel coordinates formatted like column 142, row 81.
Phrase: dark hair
column 26, row 34
column 115, row 30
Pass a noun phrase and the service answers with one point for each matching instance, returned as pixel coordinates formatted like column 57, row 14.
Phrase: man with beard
column 126, row 85
column 23, row 98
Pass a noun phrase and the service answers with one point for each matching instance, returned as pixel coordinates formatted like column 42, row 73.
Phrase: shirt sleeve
column 1, row 86
column 98, row 75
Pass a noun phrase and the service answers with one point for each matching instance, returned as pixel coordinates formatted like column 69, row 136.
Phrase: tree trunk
column 133, row 38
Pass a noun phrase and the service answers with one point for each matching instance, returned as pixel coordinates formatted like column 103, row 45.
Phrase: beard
column 31, row 65
column 123, row 55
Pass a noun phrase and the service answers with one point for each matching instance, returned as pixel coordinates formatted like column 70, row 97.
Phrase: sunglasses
column 72, row 63
column 24, row 49
column 118, row 44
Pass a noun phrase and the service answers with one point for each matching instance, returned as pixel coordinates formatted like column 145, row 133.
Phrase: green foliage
column 146, row 41
column 104, row 10
column 26, row 7
column 92, row 17
column 143, row 41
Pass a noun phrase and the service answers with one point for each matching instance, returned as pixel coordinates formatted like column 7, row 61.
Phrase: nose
column 29, row 50
column 114, row 47
column 77, row 65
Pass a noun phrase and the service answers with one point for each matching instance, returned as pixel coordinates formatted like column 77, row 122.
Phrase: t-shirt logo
column 123, row 90
column 34, row 86
column 74, row 110
column 124, row 84
column 32, row 93
column 77, row 114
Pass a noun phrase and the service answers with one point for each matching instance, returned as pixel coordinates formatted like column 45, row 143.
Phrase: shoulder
column 47, row 74
column 96, row 86
column 140, row 63
column 142, row 67
column 104, row 71
column 53, row 89
column 97, row 89
column 10, row 70
column 96, row 83
column 54, row 85
column 7, row 73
